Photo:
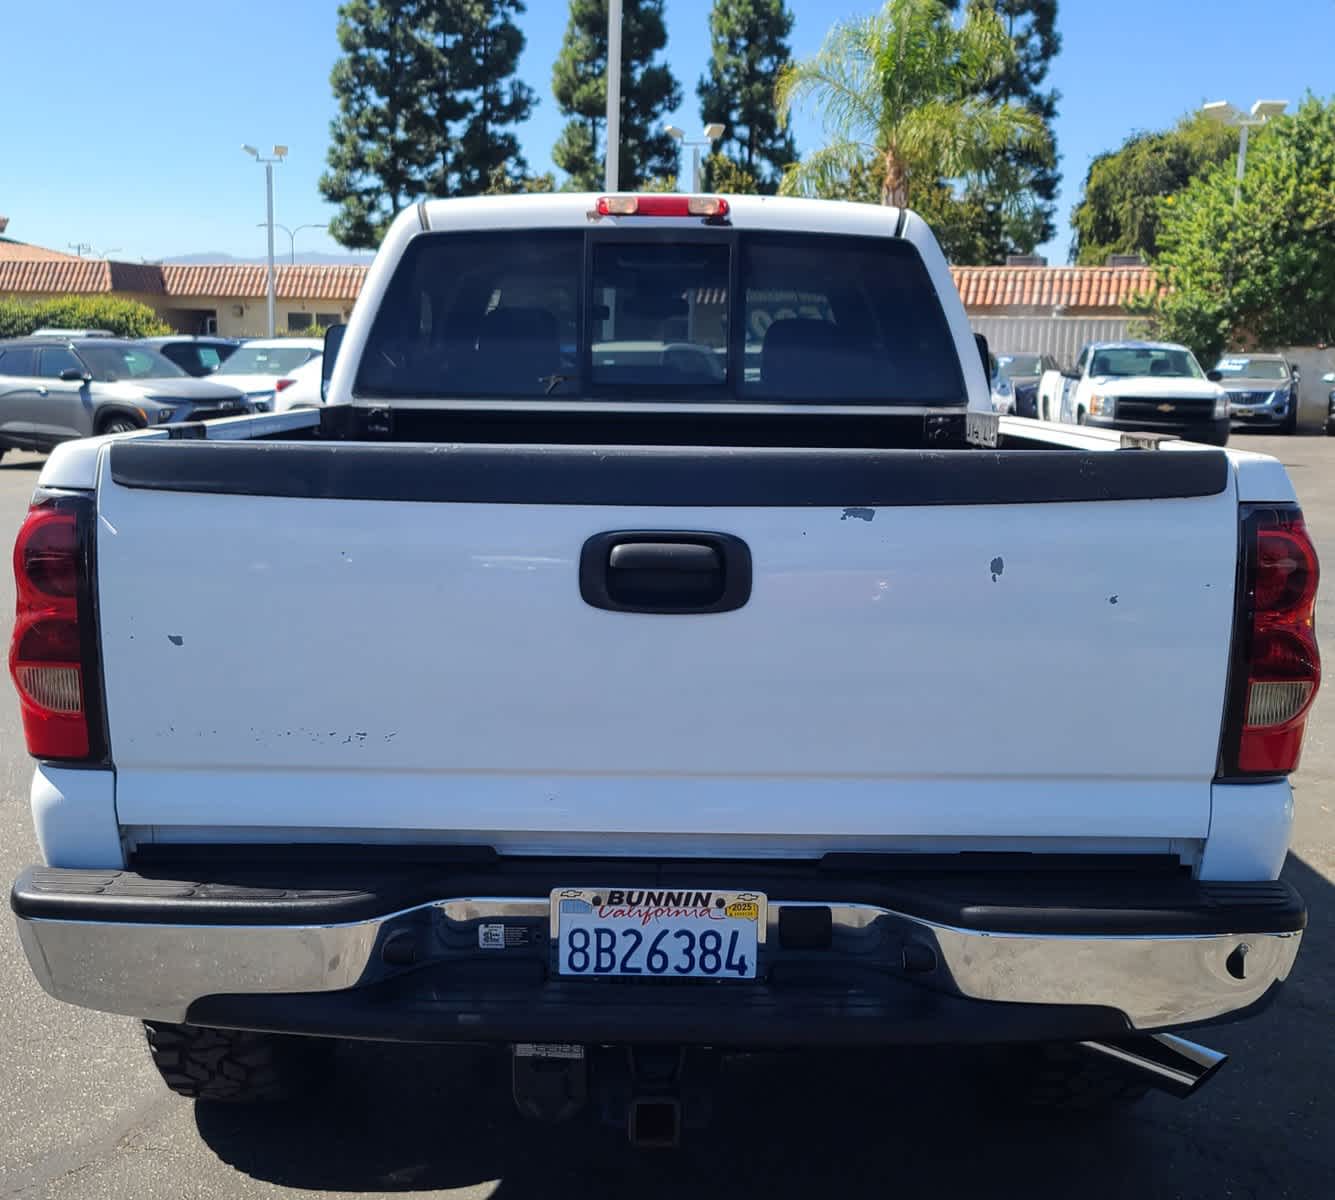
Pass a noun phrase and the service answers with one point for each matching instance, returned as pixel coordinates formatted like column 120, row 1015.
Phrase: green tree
column 1011, row 208
column 723, row 174
column 749, row 40
column 649, row 91
column 969, row 223
column 481, row 45
column 963, row 224
column 1260, row 272
column 901, row 94
column 426, row 107
column 1122, row 204
column 382, row 146
column 504, row 182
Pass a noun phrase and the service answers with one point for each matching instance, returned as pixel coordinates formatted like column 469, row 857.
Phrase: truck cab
column 1155, row 387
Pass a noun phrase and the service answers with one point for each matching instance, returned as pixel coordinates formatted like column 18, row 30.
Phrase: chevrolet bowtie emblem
column 1167, row 408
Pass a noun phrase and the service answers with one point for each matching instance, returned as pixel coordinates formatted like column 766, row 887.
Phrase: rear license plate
column 657, row 933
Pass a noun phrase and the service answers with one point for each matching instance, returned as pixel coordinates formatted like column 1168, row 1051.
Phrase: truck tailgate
column 279, row 659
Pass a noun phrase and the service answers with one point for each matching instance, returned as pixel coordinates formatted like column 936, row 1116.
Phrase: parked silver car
column 1262, row 390
column 56, row 389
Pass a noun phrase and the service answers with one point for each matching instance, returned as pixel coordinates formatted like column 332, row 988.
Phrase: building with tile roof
column 227, row 298
column 1060, row 291
column 231, row 297
column 12, row 251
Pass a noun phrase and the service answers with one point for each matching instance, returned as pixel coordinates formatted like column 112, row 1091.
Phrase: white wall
column 1313, row 395
column 1061, row 337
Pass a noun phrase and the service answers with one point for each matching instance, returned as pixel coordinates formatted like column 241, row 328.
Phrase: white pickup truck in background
column 1154, row 387
column 639, row 612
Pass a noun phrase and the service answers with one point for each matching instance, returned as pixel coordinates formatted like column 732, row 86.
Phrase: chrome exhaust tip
column 1165, row 1061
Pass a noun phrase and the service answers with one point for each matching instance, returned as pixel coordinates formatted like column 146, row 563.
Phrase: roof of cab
column 577, row 209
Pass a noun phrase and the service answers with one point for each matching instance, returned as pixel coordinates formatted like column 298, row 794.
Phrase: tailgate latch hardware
column 665, row 572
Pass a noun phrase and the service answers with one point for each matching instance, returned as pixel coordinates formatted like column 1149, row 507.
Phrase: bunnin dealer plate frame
column 658, row 933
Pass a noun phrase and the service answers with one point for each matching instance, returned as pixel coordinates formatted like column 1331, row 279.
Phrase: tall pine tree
column 482, row 48
column 427, row 103
column 1013, row 211
column 649, row 91
column 749, row 48
column 381, row 146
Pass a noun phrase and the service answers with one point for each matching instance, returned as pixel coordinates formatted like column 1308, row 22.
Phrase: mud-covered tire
column 235, row 1066
column 1058, row 1079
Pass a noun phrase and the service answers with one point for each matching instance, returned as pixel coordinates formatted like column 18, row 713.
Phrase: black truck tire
column 1057, row 1079
column 235, row 1066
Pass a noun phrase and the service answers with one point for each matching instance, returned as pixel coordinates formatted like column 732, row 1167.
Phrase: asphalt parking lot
column 82, row 1113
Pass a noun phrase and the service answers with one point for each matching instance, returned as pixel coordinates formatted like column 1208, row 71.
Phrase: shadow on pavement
column 408, row 1120
column 413, row 1119
column 27, row 464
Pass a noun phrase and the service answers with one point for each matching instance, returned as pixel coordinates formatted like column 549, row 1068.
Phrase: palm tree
column 901, row 96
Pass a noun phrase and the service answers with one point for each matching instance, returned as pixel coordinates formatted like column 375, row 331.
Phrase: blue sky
column 120, row 125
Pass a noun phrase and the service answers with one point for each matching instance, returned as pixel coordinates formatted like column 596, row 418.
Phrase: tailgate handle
column 683, row 558
column 665, row 572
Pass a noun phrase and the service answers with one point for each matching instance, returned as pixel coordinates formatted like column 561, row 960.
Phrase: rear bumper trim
column 179, row 972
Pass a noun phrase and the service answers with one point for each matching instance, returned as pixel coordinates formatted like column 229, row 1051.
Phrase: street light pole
column 1262, row 112
column 612, row 168
column 1242, row 161
column 292, row 233
column 268, row 204
column 292, row 236
column 276, row 155
column 712, row 133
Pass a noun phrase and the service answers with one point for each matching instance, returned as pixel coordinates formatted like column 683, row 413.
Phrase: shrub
column 125, row 318
column 1258, row 270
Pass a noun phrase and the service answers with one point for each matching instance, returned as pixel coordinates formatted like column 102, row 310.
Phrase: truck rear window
column 713, row 317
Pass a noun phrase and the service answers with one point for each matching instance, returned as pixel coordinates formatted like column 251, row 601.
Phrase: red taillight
column 283, row 385
column 1277, row 668
column 46, row 655
column 657, row 205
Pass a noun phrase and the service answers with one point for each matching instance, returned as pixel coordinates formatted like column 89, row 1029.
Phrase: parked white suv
column 258, row 365
column 300, row 388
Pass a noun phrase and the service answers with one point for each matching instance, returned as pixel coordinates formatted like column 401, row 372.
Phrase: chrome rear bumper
column 159, row 971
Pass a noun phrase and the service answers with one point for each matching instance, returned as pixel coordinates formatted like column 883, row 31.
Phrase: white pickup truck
column 1156, row 387
column 646, row 617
